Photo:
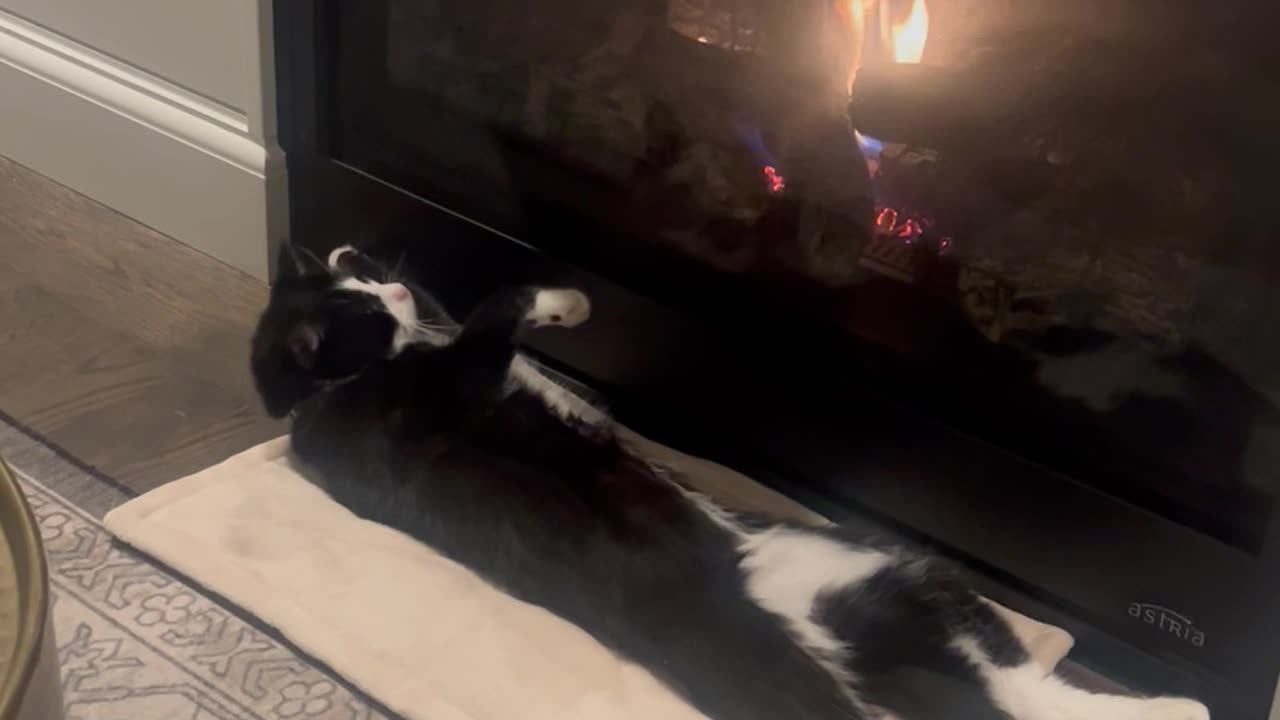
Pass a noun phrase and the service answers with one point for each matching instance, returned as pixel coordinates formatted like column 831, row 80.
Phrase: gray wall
column 162, row 109
column 197, row 44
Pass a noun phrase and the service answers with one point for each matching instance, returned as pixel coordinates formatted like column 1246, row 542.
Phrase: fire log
column 924, row 105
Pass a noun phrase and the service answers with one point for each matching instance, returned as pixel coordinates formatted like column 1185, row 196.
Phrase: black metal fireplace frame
column 1125, row 581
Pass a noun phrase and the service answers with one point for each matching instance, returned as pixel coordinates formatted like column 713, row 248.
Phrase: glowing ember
column 908, row 231
column 887, row 220
column 777, row 183
column 907, row 38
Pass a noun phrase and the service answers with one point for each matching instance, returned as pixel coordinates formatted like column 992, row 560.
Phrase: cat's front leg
column 506, row 313
column 483, row 351
column 565, row 307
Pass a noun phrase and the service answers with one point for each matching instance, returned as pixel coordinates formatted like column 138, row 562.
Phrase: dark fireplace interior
column 1045, row 226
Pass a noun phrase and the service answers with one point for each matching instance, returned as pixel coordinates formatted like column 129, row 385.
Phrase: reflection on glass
column 1053, row 213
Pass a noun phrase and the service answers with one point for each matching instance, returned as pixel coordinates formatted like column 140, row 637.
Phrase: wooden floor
column 118, row 344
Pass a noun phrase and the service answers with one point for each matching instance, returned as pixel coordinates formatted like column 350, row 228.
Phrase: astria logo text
column 1176, row 624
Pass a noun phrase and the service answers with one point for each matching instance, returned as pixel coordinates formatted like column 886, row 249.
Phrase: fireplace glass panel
column 1054, row 217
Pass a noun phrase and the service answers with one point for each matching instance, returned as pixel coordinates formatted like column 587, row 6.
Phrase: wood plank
column 123, row 274
column 120, row 345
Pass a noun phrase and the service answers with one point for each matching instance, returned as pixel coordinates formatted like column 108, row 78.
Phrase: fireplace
column 996, row 273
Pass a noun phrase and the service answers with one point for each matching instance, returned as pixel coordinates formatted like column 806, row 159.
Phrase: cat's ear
column 280, row 369
column 295, row 261
column 286, row 261
column 303, row 342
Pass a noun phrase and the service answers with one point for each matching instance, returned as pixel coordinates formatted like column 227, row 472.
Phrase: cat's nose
column 398, row 292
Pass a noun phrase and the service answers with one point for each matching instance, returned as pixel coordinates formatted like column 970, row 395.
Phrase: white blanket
column 424, row 636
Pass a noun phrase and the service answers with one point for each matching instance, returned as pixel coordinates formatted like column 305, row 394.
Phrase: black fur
column 901, row 623
column 434, row 442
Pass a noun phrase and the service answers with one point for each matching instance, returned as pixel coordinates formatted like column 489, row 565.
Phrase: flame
column 906, row 38
column 871, row 150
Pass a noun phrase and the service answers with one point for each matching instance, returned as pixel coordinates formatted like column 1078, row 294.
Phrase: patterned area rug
column 137, row 643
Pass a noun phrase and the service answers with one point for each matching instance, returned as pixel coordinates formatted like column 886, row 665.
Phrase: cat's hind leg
column 1026, row 692
column 915, row 617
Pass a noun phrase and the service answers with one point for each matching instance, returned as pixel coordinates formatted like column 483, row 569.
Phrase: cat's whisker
column 434, row 326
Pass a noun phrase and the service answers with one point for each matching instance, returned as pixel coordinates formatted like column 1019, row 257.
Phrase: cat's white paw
column 563, row 307
column 336, row 256
column 1174, row 709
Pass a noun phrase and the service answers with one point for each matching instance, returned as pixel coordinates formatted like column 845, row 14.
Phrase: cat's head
column 329, row 320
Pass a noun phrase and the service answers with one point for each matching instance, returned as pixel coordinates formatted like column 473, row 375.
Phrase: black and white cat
column 443, row 433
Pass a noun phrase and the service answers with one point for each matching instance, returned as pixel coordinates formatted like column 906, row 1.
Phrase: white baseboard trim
column 167, row 157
